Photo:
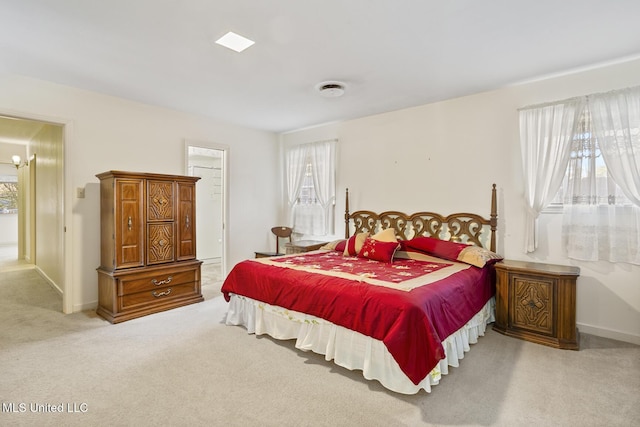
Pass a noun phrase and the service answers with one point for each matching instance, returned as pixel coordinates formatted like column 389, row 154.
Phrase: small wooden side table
column 295, row 247
column 301, row 246
column 537, row 302
column 267, row 254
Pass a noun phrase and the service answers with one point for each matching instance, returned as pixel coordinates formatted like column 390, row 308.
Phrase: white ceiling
column 391, row 54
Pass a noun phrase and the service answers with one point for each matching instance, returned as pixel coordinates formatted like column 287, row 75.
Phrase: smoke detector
column 331, row 89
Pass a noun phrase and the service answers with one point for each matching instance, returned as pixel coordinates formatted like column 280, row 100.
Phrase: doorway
column 16, row 177
column 9, row 204
column 208, row 161
column 40, row 238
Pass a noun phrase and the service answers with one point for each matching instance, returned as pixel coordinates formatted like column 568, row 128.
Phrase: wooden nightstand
column 296, row 247
column 301, row 246
column 266, row 254
column 537, row 302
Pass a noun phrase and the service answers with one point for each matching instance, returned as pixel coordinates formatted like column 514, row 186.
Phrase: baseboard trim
column 48, row 279
column 609, row 333
column 85, row 307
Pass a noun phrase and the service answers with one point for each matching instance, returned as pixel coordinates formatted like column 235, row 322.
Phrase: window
column 587, row 180
column 600, row 221
column 8, row 194
column 310, row 177
column 583, row 154
column 307, row 192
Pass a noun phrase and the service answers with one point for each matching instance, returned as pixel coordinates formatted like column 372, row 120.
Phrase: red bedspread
column 411, row 323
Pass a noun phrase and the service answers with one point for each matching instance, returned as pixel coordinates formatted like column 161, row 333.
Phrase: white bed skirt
column 351, row 349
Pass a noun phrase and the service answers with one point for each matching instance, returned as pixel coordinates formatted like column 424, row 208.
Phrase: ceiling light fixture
column 234, row 41
column 331, row 89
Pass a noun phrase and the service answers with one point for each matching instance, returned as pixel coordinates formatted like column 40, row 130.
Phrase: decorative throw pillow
column 377, row 250
column 354, row 244
column 469, row 254
column 436, row 247
column 386, row 235
column 475, row 255
column 333, row 246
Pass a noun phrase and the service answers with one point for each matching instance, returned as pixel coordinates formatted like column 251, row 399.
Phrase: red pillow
column 436, row 247
column 378, row 251
column 354, row 244
column 340, row 246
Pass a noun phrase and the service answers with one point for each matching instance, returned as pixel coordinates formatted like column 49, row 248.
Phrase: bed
column 400, row 298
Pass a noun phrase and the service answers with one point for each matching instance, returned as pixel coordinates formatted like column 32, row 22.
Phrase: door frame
column 225, row 191
column 64, row 173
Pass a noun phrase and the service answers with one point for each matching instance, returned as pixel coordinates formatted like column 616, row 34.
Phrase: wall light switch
column 80, row 192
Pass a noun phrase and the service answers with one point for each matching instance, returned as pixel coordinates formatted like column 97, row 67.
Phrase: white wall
column 107, row 133
column 445, row 156
column 8, row 229
column 47, row 145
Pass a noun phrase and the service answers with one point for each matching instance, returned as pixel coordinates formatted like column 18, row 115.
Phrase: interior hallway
column 9, row 259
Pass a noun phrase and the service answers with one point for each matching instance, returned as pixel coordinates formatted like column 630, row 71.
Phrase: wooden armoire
column 148, row 244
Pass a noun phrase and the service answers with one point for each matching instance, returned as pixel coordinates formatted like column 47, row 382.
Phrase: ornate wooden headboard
column 459, row 227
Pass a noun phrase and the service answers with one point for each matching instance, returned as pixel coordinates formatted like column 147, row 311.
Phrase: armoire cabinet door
column 160, row 243
column 160, row 225
column 159, row 200
column 129, row 218
column 186, row 221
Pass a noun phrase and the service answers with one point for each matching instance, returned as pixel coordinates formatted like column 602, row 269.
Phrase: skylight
column 234, row 41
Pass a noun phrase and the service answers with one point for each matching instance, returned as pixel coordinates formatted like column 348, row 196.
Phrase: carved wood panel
column 460, row 227
column 159, row 200
column 533, row 305
column 160, row 243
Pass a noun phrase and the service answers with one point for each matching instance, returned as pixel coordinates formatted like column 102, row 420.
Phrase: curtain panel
column 316, row 218
column 601, row 222
column 594, row 143
column 616, row 123
column 322, row 156
column 546, row 134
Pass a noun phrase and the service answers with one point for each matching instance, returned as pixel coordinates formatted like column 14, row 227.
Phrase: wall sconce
column 17, row 162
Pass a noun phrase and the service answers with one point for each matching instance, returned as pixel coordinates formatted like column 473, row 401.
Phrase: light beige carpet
column 185, row 367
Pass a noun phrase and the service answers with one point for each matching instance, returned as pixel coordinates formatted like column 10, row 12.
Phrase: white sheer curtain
column 546, row 133
column 616, row 123
column 601, row 218
column 296, row 158
column 322, row 155
column 310, row 169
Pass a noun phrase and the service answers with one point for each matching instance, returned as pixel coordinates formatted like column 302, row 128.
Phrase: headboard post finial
column 346, row 215
column 493, row 218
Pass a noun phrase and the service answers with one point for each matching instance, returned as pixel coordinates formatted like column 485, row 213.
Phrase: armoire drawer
column 157, row 280
column 158, row 296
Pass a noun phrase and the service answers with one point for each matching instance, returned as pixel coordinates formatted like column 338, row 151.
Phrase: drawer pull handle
column 187, row 220
column 162, row 282
column 161, row 294
column 129, row 223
